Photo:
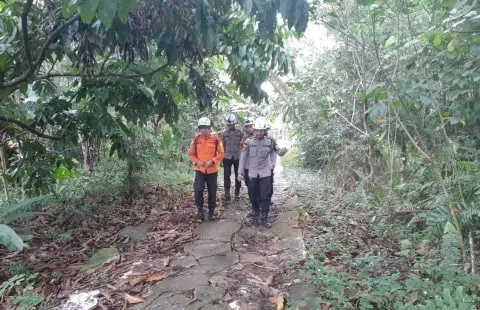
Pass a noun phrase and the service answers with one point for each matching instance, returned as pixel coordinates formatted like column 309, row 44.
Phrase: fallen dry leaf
column 324, row 306
column 137, row 280
column 191, row 301
column 227, row 298
column 280, row 302
column 155, row 277
column 270, row 279
column 133, row 299
column 166, row 262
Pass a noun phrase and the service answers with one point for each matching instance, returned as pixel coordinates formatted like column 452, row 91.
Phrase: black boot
column 237, row 194
column 264, row 222
column 226, row 196
column 199, row 217
column 211, row 214
column 255, row 220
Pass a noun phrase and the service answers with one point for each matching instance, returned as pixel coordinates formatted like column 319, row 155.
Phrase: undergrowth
column 368, row 259
column 79, row 193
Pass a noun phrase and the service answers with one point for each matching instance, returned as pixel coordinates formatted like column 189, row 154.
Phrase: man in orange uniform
column 206, row 154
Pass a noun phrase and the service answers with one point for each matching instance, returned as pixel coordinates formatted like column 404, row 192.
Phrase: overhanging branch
column 32, row 69
column 120, row 75
column 29, row 128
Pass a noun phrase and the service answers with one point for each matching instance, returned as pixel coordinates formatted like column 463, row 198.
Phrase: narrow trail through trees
column 233, row 265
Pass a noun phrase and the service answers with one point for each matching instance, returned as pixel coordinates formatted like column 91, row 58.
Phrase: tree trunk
column 91, row 154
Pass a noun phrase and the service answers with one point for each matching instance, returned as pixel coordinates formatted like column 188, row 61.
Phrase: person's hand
column 240, row 178
column 209, row 163
column 200, row 163
column 282, row 151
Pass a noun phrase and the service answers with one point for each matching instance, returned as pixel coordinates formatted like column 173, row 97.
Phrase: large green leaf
column 366, row 2
column 247, row 6
column 88, row 8
column 10, row 239
column 268, row 19
column 69, row 8
column 125, row 7
column 106, row 11
column 285, row 7
column 301, row 16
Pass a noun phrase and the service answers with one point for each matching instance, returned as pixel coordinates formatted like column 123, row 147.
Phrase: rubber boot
column 226, row 196
column 264, row 222
column 211, row 214
column 199, row 216
column 255, row 220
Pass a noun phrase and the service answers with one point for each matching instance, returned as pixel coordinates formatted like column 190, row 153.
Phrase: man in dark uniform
column 279, row 151
column 258, row 157
column 231, row 139
column 247, row 133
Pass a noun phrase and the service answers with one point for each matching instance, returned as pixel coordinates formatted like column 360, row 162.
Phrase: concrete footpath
column 234, row 265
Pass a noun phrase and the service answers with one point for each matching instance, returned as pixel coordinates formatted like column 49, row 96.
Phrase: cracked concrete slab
column 218, row 231
column 204, row 248
column 185, row 281
column 213, row 264
column 184, row 262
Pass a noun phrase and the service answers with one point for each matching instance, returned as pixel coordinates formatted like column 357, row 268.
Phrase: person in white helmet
column 279, row 151
column 258, row 157
column 247, row 133
column 206, row 153
column 231, row 139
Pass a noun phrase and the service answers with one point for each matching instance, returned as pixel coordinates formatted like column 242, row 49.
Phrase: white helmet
column 204, row 121
column 260, row 124
column 231, row 119
column 247, row 122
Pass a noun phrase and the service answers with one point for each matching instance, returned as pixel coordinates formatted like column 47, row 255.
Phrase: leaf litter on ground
column 120, row 279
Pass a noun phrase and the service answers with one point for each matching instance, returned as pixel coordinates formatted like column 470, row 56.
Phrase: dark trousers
column 271, row 189
column 199, row 187
column 259, row 193
column 245, row 178
column 227, row 173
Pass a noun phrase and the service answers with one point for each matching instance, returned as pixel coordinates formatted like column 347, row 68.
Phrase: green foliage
column 10, row 212
column 10, row 239
column 24, row 282
column 450, row 251
column 98, row 72
column 28, row 301
column 447, row 300
column 390, row 114
column 345, row 281
column 292, row 158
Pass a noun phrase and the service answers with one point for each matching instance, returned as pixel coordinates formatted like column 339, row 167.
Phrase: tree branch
column 2, row 143
column 52, row 37
column 27, row 74
column 28, row 127
column 120, row 75
column 26, row 47
column 419, row 149
column 350, row 123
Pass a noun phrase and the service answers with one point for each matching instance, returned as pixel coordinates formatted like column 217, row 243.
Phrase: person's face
column 231, row 126
column 259, row 134
column 248, row 129
column 205, row 130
